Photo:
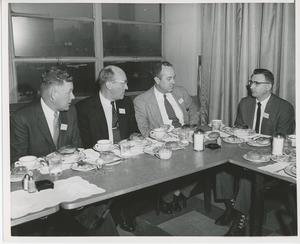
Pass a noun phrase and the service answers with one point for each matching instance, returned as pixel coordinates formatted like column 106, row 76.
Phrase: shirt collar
column 264, row 102
column 46, row 108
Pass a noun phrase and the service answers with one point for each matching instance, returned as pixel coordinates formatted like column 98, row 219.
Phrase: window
column 83, row 37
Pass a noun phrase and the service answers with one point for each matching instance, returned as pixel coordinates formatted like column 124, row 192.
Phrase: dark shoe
column 238, row 226
column 175, row 204
column 127, row 226
column 166, row 208
column 227, row 217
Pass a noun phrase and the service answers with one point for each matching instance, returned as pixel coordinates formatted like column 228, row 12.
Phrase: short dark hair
column 54, row 75
column 158, row 67
column 266, row 73
column 105, row 75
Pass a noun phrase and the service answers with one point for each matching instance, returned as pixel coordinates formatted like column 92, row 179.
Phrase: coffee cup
column 292, row 139
column 103, row 145
column 216, row 124
column 158, row 133
column 164, row 153
column 27, row 161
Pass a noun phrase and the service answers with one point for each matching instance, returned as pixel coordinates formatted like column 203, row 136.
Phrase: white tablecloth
column 23, row 203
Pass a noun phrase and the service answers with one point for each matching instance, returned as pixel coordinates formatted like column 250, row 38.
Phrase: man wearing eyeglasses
column 109, row 114
column 265, row 113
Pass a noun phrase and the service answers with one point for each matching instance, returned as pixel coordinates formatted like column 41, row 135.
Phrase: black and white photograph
column 149, row 121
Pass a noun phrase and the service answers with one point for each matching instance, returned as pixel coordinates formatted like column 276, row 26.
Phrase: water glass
column 125, row 149
column 55, row 164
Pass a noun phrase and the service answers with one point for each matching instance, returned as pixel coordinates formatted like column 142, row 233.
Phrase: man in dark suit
column 95, row 113
column 265, row 113
column 32, row 131
column 48, row 124
column 96, row 121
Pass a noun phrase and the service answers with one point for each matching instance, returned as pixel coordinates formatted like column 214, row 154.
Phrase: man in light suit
column 266, row 113
column 35, row 132
column 151, row 111
column 95, row 121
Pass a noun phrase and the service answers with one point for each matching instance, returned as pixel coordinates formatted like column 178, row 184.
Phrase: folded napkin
column 68, row 190
column 91, row 155
column 276, row 168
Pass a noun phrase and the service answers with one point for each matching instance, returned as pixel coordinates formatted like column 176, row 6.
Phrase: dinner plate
column 86, row 167
column 140, row 143
column 262, row 160
column 233, row 139
column 166, row 138
column 111, row 148
column 283, row 158
column 73, row 158
column 254, row 143
column 116, row 160
column 290, row 170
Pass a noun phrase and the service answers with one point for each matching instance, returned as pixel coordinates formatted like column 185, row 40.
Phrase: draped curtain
column 236, row 39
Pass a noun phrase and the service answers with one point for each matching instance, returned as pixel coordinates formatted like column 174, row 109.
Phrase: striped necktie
column 115, row 124
column 171, row 113
column 56, row 129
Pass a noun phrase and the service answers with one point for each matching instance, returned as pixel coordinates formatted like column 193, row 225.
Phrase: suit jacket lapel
column 42, row 124
column 268, row 108
column 100, row 115
column 154, row 106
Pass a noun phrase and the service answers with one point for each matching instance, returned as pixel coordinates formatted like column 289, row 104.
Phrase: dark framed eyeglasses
column 256, row 83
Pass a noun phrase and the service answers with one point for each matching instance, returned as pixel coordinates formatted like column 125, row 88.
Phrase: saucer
column 264, row 159
column 291, row 170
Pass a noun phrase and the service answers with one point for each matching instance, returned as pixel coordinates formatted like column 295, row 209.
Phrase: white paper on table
column 276, row 167
column 68, row 190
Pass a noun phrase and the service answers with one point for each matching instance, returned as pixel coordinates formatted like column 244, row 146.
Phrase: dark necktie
column 115, row 124
column 258, row 112
column 56, row 129
column 171, row 113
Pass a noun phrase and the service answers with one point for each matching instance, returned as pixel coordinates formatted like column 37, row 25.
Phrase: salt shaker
column 25, row 182
column 199, row 140
column 278, row 143
column 31, row 185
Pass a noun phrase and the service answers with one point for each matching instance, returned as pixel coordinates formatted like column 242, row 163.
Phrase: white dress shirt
column 161, row 104
column 262, row 112
column 49, row 114
column 106, row 104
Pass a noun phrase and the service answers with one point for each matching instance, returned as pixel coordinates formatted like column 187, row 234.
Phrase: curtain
column 236, row 39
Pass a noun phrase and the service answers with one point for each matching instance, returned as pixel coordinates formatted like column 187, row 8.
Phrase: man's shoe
column 166, row 208
column 127, row 226
column 238, row 226
column 228, row 216
column 175, row 204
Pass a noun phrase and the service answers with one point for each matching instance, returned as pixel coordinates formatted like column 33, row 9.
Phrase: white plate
column 283, row 158
column 140, row 143
column 262, row 160
column 36, row 166
column 254, row 143
column 111, row 148
column 73, row 158
column 290, row 170
column 234, row 140
column 75, row 167
column 239, row 132
column 222, row 126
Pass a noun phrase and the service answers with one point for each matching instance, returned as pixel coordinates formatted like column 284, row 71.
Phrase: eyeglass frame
column 256, row 83
column 124, row 83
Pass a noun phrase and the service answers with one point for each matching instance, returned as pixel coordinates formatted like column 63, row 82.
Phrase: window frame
column 98, row 59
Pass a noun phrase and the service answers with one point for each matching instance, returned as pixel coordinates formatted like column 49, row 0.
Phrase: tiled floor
column 196, row 221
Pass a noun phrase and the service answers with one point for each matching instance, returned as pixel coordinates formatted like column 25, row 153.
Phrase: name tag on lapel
column 266, row 115
column 122, row 111
column 63, row 127
column 180, row 101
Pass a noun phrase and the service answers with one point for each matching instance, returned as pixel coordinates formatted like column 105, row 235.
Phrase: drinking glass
column 55, row 164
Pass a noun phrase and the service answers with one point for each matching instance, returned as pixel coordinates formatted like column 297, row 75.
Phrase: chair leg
column 157, row 211
column 207, row 192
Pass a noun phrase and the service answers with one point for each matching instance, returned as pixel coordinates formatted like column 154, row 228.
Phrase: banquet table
column 146, row 170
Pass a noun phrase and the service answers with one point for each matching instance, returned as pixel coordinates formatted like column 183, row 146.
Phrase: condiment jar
column 199, row 140
column 25, row 182
column 31, row 185
column 278, row 143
